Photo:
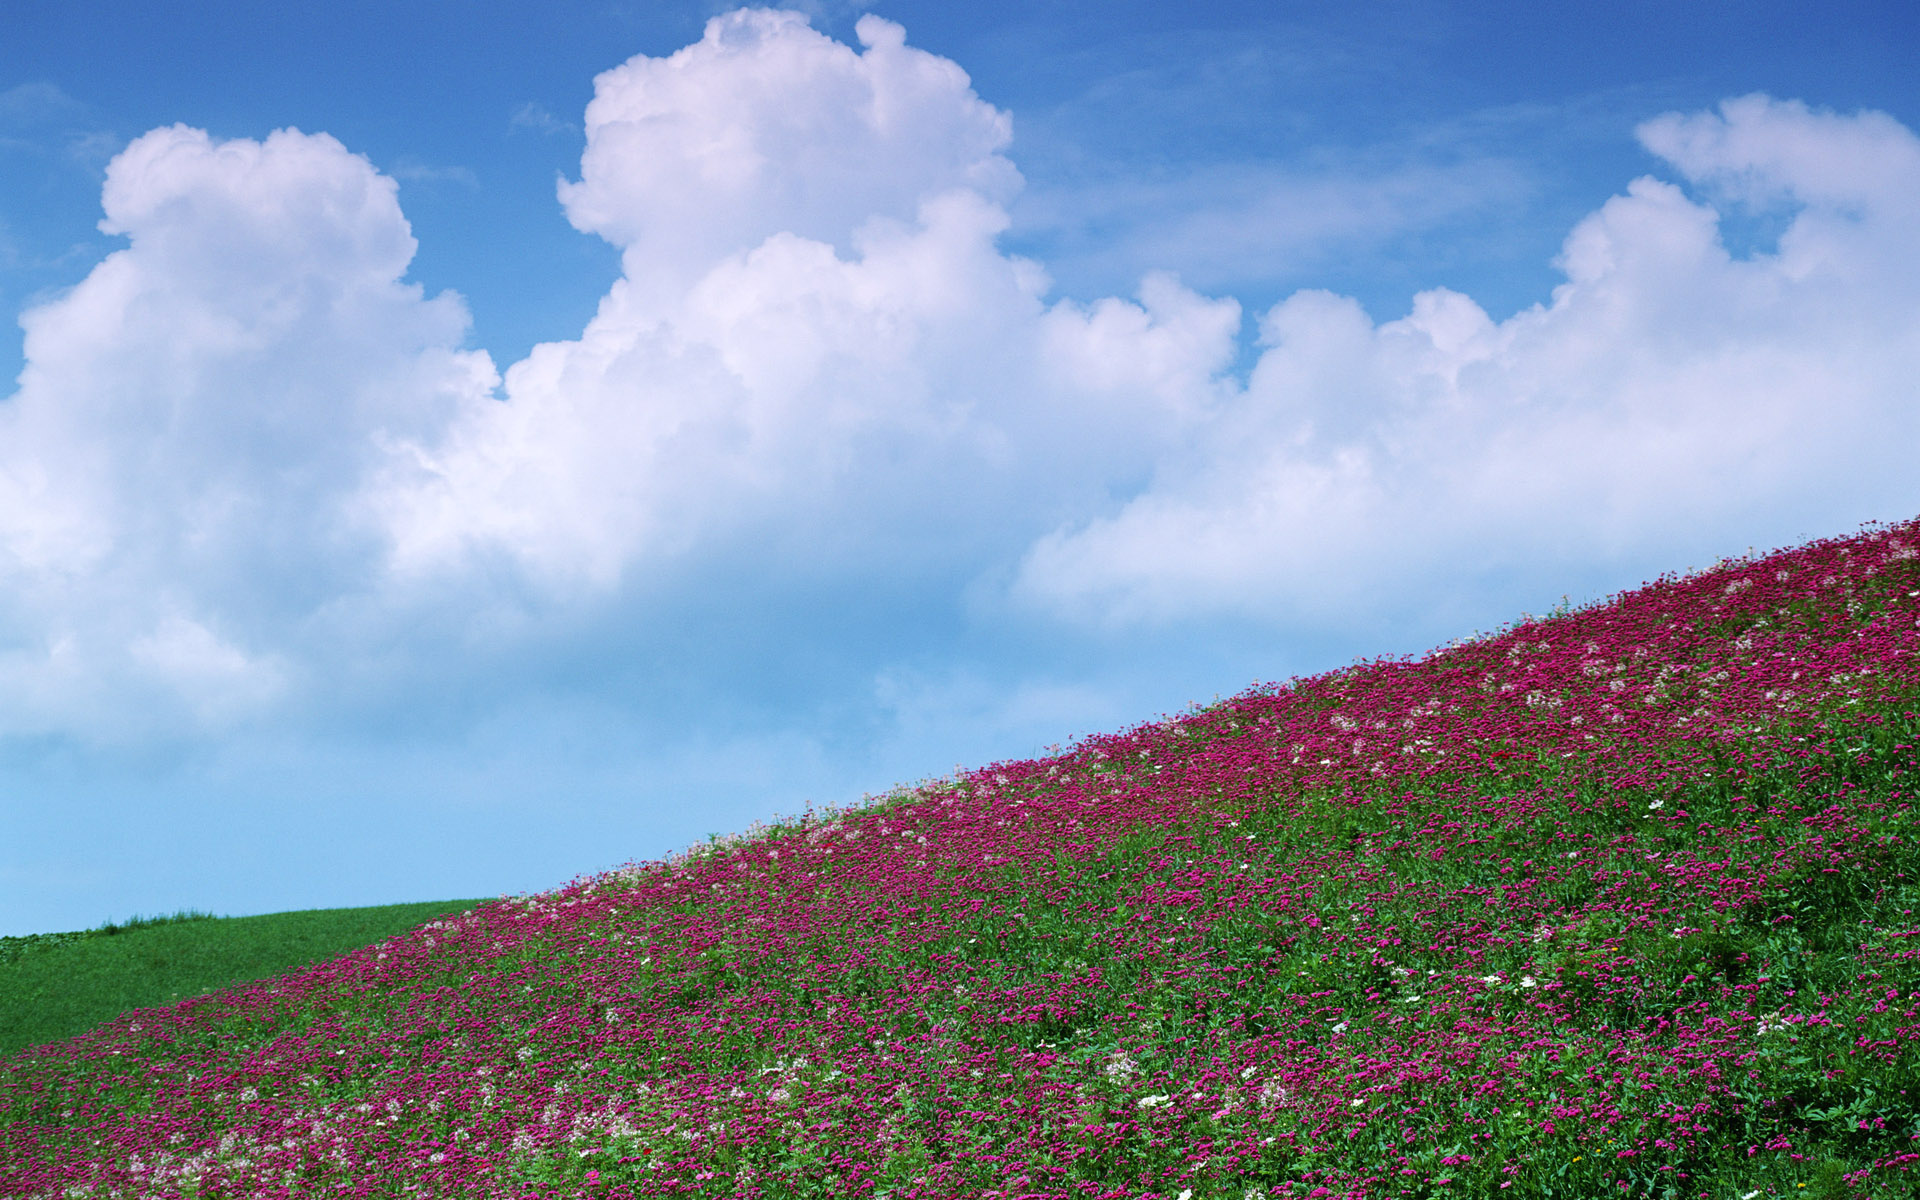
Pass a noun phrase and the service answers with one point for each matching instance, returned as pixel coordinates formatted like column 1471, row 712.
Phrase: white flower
column 1489, row 979
column 1657, row 804
column 1340, row 1028
column 1356, row 1103
column 1526, row 981
column 1154, row 1101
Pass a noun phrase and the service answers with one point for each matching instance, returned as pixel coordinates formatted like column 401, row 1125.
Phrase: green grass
column 54, row 986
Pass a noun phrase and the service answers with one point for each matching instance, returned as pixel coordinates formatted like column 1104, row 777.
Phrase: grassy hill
column 56, row 985
column 1613, row 903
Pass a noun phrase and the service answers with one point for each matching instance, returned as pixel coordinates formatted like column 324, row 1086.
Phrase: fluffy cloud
column 816, row 347
column 765, row 126
column 247, row 464
column 178, row 465
column 1668, row 386
column 246, row 458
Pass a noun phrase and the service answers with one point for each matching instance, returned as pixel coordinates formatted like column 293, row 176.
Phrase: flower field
column 1618, row 902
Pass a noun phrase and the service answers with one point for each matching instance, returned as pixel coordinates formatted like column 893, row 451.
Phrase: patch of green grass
column 54, row 986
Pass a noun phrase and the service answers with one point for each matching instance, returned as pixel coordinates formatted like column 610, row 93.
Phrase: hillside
column 56, row 985
column 1617, row 902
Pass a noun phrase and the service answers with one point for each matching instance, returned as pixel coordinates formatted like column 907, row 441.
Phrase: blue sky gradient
column 919, row 385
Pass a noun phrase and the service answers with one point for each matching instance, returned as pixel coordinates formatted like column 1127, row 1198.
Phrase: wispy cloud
column 1231, row 224
column 38, row 103
column 536, row 116
column 414, row 171
column 41, row 118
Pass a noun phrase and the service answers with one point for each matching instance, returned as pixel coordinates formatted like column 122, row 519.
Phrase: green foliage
column 57, row 986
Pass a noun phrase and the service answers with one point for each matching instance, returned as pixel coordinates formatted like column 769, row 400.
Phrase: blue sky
column 453, row 448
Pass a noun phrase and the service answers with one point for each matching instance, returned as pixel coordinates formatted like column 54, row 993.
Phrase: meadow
column 56, row 985
column 1614, row 902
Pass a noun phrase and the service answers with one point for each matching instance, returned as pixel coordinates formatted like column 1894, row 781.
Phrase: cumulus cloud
column 243, row 443
column 815, row 346
column 192, row 420
column 765, row 126
column 245, row 454
column 1666, row 386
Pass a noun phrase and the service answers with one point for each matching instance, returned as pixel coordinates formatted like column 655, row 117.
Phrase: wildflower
column 1489, row 979
column 1154, row 1101
column 1526, row 981
column 1340, row 1028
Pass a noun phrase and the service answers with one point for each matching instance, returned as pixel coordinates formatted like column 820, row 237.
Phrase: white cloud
column 244, row 454
column 247, row 464
column 1666, row 388
column 816, row 346
column 190, row 420
column 765, row 126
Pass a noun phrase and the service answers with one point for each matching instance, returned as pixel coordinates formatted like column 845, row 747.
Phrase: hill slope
column 1617, row 902
column 56, row 985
